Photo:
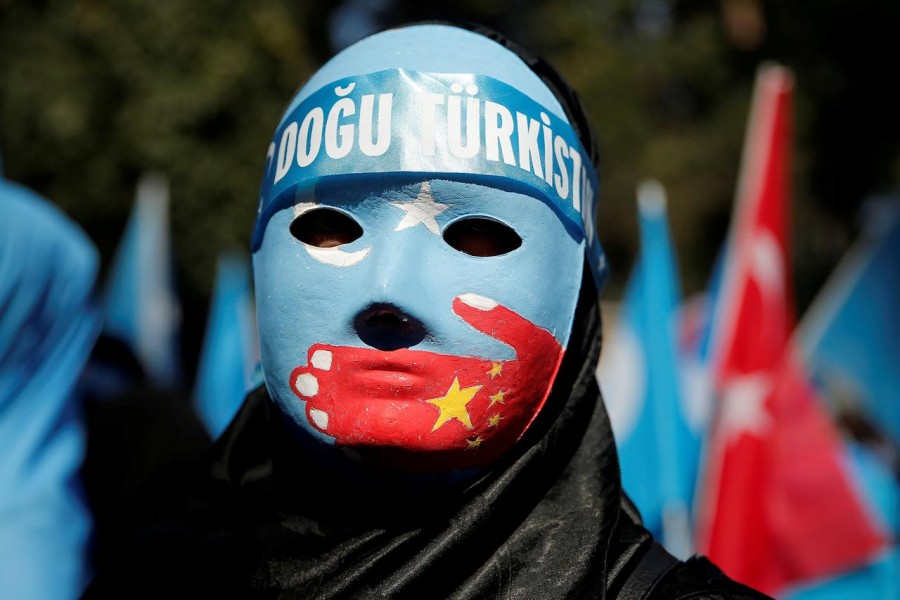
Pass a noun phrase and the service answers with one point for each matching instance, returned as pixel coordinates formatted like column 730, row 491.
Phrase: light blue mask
column 396, row 342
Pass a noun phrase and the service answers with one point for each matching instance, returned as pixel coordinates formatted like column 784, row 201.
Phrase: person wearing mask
column 426, row 273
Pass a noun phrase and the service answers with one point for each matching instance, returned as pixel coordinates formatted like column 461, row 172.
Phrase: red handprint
column 429, row 410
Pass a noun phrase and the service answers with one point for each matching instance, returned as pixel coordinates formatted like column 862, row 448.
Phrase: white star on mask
column 421, row 210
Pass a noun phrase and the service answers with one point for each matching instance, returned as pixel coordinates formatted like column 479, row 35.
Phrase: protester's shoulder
column 699, row 579
column 644, row 569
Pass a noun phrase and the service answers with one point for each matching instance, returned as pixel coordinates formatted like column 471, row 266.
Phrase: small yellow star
column 453, row 404
column 496, row 369
column 495, row 420
column 474, row 443
column 498, row 397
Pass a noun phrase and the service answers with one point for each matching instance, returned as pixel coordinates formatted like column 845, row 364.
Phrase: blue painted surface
column 301, row 301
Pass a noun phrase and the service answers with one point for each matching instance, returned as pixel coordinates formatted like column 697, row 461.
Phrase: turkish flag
column 776, row 505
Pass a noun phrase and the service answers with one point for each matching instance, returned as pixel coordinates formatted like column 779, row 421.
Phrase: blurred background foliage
column 94, row 93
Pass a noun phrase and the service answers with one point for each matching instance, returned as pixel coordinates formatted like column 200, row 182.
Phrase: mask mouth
column 387, row 327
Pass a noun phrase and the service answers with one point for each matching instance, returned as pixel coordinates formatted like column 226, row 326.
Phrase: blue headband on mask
column 465, row 126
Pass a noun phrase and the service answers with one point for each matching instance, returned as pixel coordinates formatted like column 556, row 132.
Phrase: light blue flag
column 658, row 450
column 694, row 352
column 48, row 325
column 141, row 307
column 230, row 348
column 850, row 336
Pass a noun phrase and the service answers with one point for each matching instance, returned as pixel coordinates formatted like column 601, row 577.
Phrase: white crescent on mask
column 337, row 257
column 334, row 257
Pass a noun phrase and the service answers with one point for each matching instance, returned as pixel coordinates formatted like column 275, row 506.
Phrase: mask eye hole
column 479, row 236
column 325, row 228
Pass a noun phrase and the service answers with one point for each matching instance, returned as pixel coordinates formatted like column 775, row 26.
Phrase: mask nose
column 387, row 327
column 396, row 284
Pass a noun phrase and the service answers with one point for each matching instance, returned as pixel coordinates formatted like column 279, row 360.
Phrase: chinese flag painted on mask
column 776, row 505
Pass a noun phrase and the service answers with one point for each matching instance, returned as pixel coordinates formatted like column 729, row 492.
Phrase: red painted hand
column 423, row 410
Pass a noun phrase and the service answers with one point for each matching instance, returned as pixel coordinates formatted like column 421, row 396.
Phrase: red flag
column 776, row 506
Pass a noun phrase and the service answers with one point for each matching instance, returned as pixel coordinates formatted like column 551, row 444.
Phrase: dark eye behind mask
column 479, row 236
column 325, row 228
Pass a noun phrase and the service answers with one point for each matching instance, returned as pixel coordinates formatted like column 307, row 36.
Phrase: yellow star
column 498, row 397
column 496, row 369
column 474, row 443
column 495, row 420
column 453, row 404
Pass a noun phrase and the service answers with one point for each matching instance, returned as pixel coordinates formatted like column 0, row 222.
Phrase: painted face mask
column 417, row 271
